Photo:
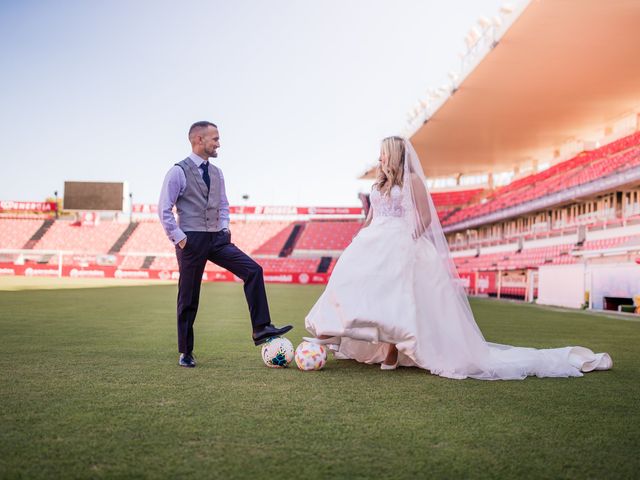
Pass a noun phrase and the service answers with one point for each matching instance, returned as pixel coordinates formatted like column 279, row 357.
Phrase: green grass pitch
column 90, row 388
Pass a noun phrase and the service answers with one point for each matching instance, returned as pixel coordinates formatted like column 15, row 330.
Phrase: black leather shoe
column 269, row 331
column 187, row 360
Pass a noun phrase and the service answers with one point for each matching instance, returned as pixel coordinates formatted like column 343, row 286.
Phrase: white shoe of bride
column 386, row 366
column 323, row 341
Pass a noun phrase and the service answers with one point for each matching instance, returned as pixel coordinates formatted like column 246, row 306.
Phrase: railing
column 579, row 191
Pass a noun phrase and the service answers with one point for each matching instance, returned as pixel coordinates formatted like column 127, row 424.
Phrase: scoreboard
column 108, row 196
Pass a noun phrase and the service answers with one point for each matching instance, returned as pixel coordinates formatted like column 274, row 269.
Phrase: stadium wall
column 97, row 271
column 562, row 285
column 573, row 286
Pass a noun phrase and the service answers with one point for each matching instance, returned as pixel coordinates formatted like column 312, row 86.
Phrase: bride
column 395, row 297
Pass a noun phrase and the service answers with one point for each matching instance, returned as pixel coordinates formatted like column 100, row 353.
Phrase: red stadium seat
column 15, row 233
column 583, row 168
column 327, row 236
column 64, row 235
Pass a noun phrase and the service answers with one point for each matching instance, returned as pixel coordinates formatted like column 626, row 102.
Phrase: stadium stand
column 449, row 202
column 610, row 224
column 607, row 243
column 584, row 168
column 455, row 198
column 599, row 227
column 15, row 233
column 132, row 262
column 268, row 264
column 273, row 246
column 332, row 265
column 124, row 237
column 327, row 236
column 513, row 260
column 248, row 236
column 150, row 237
column 165, row 263
column 44, row 228
column 147, row 237
column 66, row 235
column 289, row 264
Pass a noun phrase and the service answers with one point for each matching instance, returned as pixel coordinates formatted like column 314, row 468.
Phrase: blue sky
column 303, row 91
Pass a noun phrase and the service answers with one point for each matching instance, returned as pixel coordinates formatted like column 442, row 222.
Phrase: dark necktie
column 205, row 174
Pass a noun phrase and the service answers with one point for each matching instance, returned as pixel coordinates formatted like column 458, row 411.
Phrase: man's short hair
column 199, row 125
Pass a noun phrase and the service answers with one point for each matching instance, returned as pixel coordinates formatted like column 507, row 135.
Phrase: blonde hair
column 393, row 173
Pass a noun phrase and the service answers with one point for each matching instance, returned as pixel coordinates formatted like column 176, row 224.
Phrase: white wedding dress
column 389, row 288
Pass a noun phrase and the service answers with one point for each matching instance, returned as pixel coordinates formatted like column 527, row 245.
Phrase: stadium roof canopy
column 563, row 69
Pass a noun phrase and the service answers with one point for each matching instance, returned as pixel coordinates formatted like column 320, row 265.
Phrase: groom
column 196, row 188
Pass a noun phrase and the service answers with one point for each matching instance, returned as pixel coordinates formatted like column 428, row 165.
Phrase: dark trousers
column 217, row 248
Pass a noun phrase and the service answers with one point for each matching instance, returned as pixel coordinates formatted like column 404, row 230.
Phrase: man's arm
column 173, row 186
column 224, row 202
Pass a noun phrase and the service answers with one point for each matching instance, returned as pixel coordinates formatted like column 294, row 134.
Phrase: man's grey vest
column 198, row 212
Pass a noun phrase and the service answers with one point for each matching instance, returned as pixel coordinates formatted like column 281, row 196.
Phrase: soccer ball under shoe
column 277, row 352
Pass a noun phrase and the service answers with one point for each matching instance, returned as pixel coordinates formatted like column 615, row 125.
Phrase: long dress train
column 388, row 287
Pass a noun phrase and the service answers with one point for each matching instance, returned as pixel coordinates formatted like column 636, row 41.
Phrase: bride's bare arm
column 367, row 221
column 421, row 201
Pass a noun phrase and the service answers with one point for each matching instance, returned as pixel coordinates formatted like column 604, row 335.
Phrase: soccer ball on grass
column 311, row 356
column 277, row 352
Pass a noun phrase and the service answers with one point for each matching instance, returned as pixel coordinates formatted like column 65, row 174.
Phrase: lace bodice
column 387, row 206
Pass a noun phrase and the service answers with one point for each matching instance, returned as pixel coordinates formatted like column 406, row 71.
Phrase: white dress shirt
column 175, row 183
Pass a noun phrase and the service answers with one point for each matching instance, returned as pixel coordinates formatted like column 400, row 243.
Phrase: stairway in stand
column 291, row 241
column 123, row 238
column 46, row 225
column 324, row 264
column 148, row 260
